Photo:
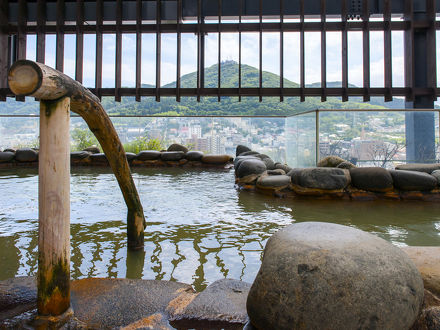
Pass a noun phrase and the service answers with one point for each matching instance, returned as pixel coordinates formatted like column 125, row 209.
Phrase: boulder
column 79, row 155
column 277, row 171
column 216, row 159
column 274, row 181
column 240, row 149
column 262, row 156
column 427, row 261
column 250, row 166
column 430, row 319
column 318, row 275
column 224, row 301
column 26, row 155
column 6, row 156
column 100, row 158
column 177, row 147
column 92, row 149
column 346, row 165
column 148, row 155
column 172, row 155
column 371, row 179
column 413, row 180
column 436, row 174
column 427, row 168
column 238, row 160
column 249, row 153
column 270, row 164
column 284, row 167
column 194, row 155
column 320, row 178
column 130, row 156
column 330, row 161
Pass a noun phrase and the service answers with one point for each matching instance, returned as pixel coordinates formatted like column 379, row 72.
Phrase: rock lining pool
column 200, row 228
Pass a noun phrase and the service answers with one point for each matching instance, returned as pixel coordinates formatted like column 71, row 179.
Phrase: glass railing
column 212, row 135
column 364, row 137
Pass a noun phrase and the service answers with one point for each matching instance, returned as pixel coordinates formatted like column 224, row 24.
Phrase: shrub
column 143, row 143
column 83, row 138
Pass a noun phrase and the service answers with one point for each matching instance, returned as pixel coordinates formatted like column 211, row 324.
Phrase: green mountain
column 210, row 105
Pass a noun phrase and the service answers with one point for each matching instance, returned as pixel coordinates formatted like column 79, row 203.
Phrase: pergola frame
column 20, row 18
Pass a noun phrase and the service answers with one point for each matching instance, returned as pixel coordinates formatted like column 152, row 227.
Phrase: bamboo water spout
column 30, row 78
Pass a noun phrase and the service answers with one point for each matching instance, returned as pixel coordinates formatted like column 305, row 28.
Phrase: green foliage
column 34, row 144
column 143, row 143
column 83, row 138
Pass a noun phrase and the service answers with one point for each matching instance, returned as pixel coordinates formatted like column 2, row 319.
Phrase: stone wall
column 335, row 178
column 174, row 156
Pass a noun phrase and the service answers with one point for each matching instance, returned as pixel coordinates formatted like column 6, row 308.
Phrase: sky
column 229, row 51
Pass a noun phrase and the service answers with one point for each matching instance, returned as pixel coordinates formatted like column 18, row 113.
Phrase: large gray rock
column 284, row 167
column 270, row 164
column 216, row 159
column 172, row 155
column 100, row 158
column 79, row 155
column 427, row 168
column 413, row 180
column 249, row 153
column 330, row 161
column 320, row 178
column 148, row 155
column 240, row 149
column 371, row 179
column 277, row 171
column 92, row 149
column 194, row 155
column 6, row 156
column 26, row 155
column 273, row 181
column 436, row 174
column 238, row 160
column 177, row 147
column 222, row 301
column 325, row 276
column 250, row 166
column 347, row 165
column 130, row 156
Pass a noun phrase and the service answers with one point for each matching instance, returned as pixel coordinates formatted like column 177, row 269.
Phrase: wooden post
column 40, row 81
column 54, row 208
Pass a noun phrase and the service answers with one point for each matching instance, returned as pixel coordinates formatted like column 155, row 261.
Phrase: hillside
column 210, row 106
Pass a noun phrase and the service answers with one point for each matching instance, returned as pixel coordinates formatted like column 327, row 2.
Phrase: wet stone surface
column 17, row 295
column 223, row 300
column 132, row 304
column 120, row 302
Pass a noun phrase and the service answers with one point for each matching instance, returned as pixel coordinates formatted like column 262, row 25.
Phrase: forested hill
column 210, row 106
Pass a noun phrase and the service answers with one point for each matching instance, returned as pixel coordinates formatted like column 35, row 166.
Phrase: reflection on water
column 200, row 228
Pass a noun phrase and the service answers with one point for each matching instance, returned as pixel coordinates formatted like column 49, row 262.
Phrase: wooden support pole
column 40, row 81
column 53, row 296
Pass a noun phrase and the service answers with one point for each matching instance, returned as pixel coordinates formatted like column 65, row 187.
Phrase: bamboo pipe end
column 24, row 77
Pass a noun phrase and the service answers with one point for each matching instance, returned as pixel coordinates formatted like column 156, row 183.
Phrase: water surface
column 200, row 227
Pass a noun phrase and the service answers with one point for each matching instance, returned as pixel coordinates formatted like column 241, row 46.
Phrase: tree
column 83, row 138
column 383, row 152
